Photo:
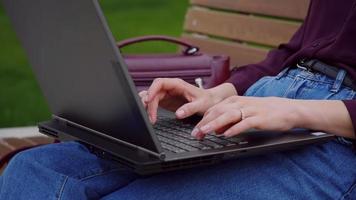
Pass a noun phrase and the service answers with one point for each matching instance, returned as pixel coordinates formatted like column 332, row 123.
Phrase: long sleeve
column 243, row 77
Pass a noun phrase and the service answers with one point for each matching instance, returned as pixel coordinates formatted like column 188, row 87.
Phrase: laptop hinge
column 66, row 122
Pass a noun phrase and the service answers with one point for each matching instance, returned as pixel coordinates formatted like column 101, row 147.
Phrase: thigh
column 315, row 172
column 299, row 84
column 61, row 171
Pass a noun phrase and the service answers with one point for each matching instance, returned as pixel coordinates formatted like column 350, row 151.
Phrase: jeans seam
column 348, row 192
column 351, row 95
column 99, row 174
column 311, row 79
column 290, row 86
column 60, row 192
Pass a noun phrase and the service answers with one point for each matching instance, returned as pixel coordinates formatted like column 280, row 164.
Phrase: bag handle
column 189, row 49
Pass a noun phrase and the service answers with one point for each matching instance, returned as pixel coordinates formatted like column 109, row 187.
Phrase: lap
column 68, row 170
column 316, row 172
column 61, row 171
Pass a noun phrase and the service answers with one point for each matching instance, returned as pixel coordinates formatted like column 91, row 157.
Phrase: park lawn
column 21, row 102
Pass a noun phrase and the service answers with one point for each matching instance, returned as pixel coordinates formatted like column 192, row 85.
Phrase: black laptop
column 93, row 99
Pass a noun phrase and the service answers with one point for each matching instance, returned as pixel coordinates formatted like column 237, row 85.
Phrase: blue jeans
column 325, row 171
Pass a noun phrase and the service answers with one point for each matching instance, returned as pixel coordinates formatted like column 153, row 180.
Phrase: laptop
column 94, row 101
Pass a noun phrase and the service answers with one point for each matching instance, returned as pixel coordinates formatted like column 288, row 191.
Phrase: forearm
column 324, row 115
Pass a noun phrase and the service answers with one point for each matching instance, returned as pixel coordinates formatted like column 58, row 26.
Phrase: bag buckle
column 199, row 82
column 191, row 50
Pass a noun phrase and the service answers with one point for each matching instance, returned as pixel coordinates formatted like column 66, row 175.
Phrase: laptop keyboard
column 175, row 137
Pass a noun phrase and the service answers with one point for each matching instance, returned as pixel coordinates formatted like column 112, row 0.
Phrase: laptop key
column 193, row 143
column 198, row 145
column 222, row 141
column 211, row 144
column 171, row 148
column 177, row 134
column 177, row 144
column 234, row 139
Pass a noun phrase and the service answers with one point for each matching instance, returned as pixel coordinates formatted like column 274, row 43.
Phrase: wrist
column 301, row 116
column 324, row 115
column 222, row 92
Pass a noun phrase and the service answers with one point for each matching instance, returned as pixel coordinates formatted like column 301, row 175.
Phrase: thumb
column 189, row 109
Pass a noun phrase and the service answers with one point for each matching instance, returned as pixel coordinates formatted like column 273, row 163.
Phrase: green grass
column 21, row 102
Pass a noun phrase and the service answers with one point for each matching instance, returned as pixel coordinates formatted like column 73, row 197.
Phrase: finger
column 165, row 84
column 152, row 108
column 216, row 112
column 244, row 125
column 144, row 103
column 142, row 93
column 223, row 120
column 189, row 109
column 143, row 96
column 230, row 101
column 206, row 119
column 245, row 113
column 223, row 129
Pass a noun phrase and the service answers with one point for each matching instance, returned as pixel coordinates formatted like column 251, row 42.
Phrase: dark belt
column 328, row 70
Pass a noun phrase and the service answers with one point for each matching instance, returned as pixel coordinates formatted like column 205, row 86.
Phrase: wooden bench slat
column 4, row 148
column 240, row 54
column 41, row 140
column 18, row 142
column 240, row 27
column 293, row 9
column 8, row 145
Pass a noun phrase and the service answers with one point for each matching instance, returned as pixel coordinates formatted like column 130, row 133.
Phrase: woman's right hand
column 182, row 98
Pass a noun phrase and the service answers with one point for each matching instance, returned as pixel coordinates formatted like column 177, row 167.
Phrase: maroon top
column 328, row 34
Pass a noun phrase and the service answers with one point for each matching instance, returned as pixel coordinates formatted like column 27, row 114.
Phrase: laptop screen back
column 78, row 67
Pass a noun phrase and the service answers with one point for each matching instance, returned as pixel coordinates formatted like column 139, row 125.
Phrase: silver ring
column 243, row 116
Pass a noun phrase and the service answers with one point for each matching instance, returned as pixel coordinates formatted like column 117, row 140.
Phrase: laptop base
column 144, row 163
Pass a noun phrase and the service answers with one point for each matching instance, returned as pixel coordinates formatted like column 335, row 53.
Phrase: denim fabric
column 324, row 171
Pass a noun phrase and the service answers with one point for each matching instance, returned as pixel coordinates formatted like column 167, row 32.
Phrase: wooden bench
column 15, row 138
column 243, row 29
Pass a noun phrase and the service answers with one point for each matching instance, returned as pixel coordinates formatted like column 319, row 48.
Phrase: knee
column 22, row 163
column 52, row 156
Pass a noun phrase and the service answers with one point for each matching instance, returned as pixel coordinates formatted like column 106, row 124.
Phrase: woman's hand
column 182, row 98
column 237, row 114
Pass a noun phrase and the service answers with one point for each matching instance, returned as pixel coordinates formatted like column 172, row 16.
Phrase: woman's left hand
column 238, row 113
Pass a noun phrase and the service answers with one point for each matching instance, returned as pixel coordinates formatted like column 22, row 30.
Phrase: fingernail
column 180, row 113
column 195, row 132
column 206, row 128
column 150, row 118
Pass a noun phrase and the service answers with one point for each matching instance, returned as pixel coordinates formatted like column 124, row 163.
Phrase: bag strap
column 189, row 49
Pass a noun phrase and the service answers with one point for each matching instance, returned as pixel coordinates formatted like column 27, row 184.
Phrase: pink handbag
column 190, row 65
